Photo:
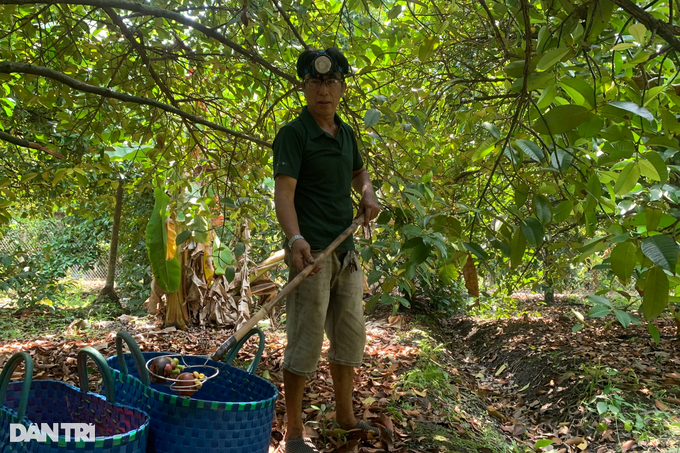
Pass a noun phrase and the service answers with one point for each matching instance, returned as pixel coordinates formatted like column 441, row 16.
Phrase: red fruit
column 186, row 380
column 157, row 367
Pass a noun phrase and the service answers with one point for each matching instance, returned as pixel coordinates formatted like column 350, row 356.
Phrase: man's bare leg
column 294, row 387
column 343, row 383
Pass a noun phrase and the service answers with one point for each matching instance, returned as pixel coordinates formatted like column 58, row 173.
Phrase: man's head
column 323, row 79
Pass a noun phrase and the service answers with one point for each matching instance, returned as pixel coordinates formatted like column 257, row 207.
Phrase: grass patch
column 73, row 303
column 455, row 418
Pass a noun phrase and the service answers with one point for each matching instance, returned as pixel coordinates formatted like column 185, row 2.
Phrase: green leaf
column 577, row 327
column 542, row 209
column 623, row 317
column 222, row 256
column 602, row 407
column 561, row 160
column 659, row 165
column 638, row 32
column 627, row 179
column 420, row 254
column 182, row 237
column 662, row 250
column 599, row 311
column 394, row 12
column 374, row 276
column 448, row 274
column 580, row 91
column 417, row 123
column 200, row 227
column 623, row 260
column 166, row 272
column 670, row 121
column 531, row 149
column 562, row 118
column 551, row 58
column 655, row 298
column 633, row 108
column 384, row 218
column 544, row 443
column 594, row 187
column 654, row 332
column 493, row 129
column 239, row 249
column 372, row 117
column 623, row 46
column 372, row 302
column 483, row 149
column 427, row 48
column 518, row 246
column 591, row 126
column 521, row 194
column 563, row 211
column 533, row 231
column 416, row 204
column 476, row 250
column 547, row 96
column 230, row 273
column 653, row 217
column 367, row 254
column 599, row 300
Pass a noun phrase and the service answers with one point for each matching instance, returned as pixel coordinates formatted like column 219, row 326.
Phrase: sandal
column 299, row 445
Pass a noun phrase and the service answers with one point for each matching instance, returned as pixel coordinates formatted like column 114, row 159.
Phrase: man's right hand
column 302, row 256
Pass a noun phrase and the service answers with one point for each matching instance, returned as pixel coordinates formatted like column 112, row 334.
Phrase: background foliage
column 519, row 140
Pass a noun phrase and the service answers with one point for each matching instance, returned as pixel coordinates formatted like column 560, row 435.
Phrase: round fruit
column 187, row 384
column 157, row 369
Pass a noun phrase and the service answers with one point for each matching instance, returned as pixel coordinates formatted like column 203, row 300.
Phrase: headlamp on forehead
column 322, row 65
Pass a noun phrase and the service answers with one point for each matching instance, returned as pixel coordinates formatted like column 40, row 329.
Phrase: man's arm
column 284, row 196
column 361, row 182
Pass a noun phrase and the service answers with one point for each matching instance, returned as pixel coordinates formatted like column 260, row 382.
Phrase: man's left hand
column 370, row 207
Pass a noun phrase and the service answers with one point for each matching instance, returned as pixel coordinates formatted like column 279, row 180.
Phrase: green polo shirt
column 323, row 166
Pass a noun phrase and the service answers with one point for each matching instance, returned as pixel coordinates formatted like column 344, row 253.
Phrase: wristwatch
column 293, row 239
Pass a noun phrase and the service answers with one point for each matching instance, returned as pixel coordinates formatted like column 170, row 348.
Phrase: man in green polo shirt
column 316, row 166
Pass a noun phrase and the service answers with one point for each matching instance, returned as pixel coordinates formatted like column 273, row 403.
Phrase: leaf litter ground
column 525, row 383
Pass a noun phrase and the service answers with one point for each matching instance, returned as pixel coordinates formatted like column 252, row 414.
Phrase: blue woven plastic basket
column 232, row 413
column 118, row 428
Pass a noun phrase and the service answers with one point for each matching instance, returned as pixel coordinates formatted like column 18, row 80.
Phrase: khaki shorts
column 329, row 300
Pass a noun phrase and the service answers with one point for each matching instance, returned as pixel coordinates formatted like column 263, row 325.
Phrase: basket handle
column 100, row 362
column 6, row 376
column 137, row 356
column 233, row 351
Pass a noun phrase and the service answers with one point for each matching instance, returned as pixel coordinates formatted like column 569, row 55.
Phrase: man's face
column 323, row 98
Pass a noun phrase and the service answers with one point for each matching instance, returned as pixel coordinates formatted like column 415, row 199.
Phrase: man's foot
column 299, row 445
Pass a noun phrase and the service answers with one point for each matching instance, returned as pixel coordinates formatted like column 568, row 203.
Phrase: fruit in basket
column 187, row 384
column 160, row 366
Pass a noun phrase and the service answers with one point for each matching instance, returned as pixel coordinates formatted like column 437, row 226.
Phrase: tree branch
column 495, row 28
column 290, row 24
column 489, row 98
column 139, row 47
column 171, row 15
column 7, row 67
column 26, row 144
column 652, row 23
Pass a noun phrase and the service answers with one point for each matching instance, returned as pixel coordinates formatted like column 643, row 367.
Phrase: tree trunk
column 109, row 291
column 176, row 314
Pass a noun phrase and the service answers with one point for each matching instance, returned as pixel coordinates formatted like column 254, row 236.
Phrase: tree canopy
column 524, row 138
